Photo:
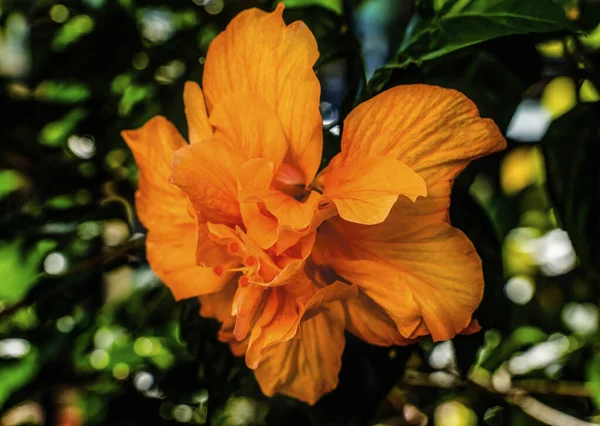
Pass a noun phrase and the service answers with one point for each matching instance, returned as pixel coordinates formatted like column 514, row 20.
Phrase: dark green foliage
column 574, row 181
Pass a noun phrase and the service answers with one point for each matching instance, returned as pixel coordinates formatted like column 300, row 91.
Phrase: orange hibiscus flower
column 287, row 259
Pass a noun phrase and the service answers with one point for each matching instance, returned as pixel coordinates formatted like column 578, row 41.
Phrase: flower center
column 290, row 181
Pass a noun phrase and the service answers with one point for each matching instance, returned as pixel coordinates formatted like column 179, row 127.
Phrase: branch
column 547, row 387
column 531, row 406
column 101, row 260
column 517, row 394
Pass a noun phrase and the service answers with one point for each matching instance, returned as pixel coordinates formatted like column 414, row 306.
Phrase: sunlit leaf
column 593, row 376
column 132, row 96
column 335, row 5
column 62, row 92
column 560, row 96
column 72, row 30
column 588, row 92
column 54, row 133
column 19, row 267
column 15, row 374
column 10, row 180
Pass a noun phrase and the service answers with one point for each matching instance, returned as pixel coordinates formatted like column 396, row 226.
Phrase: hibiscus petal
column 195, row 111
column 253, row 183
column 333, row 292
column 277, row 322
column 413, row 268
column 246, row 302
column 208, row 173
column 259, row 54
column 249, row 126
column 291, row 213
column 472, row 328
column 262, row 230
column 163, row 209
column 365, row 189
column 307, row 366
column 366, row 320
column 172, row 260
column 287, row 306
column 255, row 186
column 435, row 131
column 153, row 145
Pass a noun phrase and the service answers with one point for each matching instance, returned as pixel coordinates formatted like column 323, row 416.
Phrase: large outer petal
column 208, row 174
column 417, row 270
column 365, row 189
column 307, row 366
column 435, row 131
column 258, row 54
column 163, row 209
column 286, row 307
column 367, row 320
column 249, row 126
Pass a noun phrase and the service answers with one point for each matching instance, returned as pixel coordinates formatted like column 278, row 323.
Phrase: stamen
column 243, row 270
column 233, row 247
column 250, row 261
column 244, row 281
column 219, row 270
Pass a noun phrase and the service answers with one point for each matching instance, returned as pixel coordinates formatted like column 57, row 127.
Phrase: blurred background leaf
column 573, row 176
column 445, row 26
column 334, row 5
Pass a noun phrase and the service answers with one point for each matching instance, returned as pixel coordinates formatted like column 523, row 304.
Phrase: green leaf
column 72, row 30
column 54, row 133
column 574, row 181
column 16, row 374
column 334, row 5
column 462, row 23
column 593, row 376
column 20, row 272
column 524, row 336
column 10, row 180
column 62, row 92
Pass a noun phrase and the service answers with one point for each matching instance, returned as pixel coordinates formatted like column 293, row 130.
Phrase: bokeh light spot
column 121, row 371
column 214, row 7
column 581, row 318
column 14, row 348
column 143, row 346
column 65, row 324
column 182, row 413
column 520, row 289
column 454, row 413
column 99, row 359
column 115, row 232
column 141, row 61
column 82, row 146
column 143, row 381
column 59, row 13
column 55, row 263
column 554, row 253
column 442, row 356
